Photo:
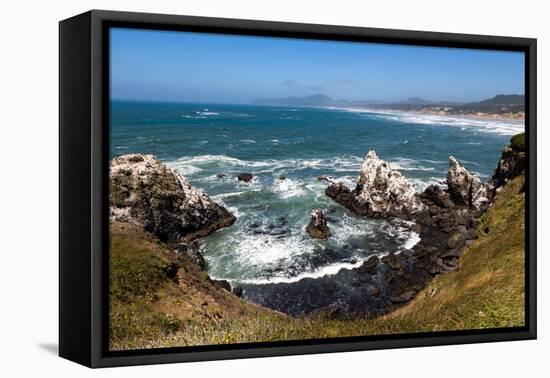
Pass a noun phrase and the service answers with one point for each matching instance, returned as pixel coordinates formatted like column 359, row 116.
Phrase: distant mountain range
column 503, row 99
column 499, row 103
column 314, row 100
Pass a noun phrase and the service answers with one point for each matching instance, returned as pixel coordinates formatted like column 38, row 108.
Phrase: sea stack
column 464, row 187
column 380, row 192
column 145, row 192
column 317, row 227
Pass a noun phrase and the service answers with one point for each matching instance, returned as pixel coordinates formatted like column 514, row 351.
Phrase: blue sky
column 194, row 67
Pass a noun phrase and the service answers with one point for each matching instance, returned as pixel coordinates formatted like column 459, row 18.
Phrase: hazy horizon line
column 251, row 102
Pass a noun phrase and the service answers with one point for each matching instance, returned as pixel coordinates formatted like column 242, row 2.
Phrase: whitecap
column 405, row 164
column 287, row 188
column 194, row 117
column 186, row 170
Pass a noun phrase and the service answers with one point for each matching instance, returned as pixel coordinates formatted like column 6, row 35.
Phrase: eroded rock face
column 380, row 191
column 444, row 218
column 191, row 250
column 317, row 227
column 144, row 191
column 511, row 164
column 464, row 187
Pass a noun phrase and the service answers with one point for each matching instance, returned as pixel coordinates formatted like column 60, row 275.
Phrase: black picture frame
column 83, row 196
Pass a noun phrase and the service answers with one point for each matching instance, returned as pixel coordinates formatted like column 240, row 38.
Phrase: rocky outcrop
column 145, row 192
column 191, row 250
column 466, row 188
column 245, row 177
column 511, row 164
column 445, row 220
column 380, row 191
column 317, row 227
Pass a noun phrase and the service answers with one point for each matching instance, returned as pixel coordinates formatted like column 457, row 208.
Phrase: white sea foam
column 412, row 241
column 404, row 164
column 421, row 184
column 336, row 164
column 194, row 117
column 265, row 251
column 222, row 196
column 327, row 270
column 288, row 188
column 184, row 169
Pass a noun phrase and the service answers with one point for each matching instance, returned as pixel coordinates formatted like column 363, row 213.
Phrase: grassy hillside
column 149, row 309
column 154, row 294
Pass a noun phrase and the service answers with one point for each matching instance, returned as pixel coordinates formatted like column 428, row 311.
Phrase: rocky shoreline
column 144, row 192
column 445, row 219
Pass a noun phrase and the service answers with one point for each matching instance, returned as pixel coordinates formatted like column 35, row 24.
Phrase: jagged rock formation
column 380, row 191
column 511, row 164
column 464, row 187
column 445, row 220
column 317, row 227
column 144, row 191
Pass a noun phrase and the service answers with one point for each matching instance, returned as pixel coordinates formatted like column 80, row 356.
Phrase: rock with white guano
column 464, row 187
column 380, row 192
column 146, row 192
column 317, row 227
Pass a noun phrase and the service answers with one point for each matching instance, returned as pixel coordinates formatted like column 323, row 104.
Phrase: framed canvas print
column 234, row 188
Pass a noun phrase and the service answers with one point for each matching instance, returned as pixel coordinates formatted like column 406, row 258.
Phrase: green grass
column 518, row 142
column 487, row 291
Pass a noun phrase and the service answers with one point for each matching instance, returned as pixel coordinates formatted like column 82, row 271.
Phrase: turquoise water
column 268, row 243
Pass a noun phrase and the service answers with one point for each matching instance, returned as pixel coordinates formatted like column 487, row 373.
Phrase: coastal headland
column 454, row 277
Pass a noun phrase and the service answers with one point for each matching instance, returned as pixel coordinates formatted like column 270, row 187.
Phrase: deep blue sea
column 268, row 243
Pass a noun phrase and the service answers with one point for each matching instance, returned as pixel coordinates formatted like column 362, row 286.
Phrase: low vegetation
column 518, row 142
column 151, row 306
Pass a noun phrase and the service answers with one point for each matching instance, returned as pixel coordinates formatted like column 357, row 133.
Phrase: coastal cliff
column 471, row 231
column 145, row 192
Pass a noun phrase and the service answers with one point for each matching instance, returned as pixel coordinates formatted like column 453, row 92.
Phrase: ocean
column 267, row 251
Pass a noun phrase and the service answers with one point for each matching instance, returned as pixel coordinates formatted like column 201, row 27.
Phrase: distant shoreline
column 514, row 117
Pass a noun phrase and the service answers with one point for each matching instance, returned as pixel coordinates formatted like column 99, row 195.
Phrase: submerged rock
column 317, row 227
column 245, row 177
column 464, row 187
column 324, row 178
column 145, row 192
column 380, row 191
